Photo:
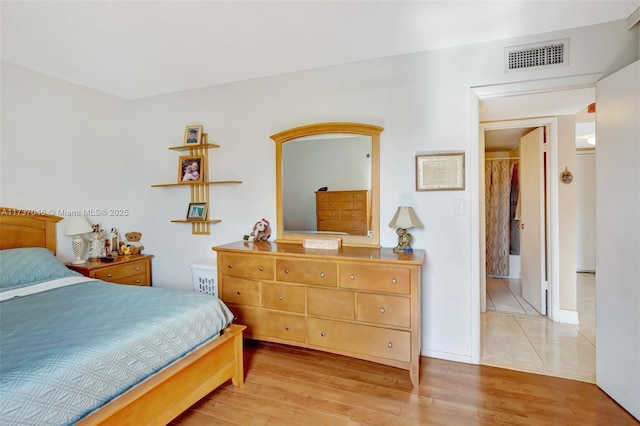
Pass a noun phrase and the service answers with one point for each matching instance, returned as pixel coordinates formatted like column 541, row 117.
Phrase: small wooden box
column 322, row 243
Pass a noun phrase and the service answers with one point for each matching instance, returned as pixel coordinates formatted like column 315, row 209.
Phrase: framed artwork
column 197, row 211
column 440, row 171
column 190, row 169
column 193, row 135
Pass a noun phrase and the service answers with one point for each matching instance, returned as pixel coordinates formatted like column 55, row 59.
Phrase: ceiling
column 136, row 49
column 546, row 104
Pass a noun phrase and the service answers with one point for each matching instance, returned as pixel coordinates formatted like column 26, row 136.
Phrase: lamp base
column 78, row 249
column 404, row 242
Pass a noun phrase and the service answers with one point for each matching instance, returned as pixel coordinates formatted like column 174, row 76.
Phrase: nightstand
column 130, row 269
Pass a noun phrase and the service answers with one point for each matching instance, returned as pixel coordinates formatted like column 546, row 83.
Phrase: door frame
column 552, row 251
column 477, row 160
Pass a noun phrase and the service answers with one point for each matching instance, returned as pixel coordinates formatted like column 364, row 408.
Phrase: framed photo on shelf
column 193, row 135
column 440, row 171
column 190, row 169
column 197, row 211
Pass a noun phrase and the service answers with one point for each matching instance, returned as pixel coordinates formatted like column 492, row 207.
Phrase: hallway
column 515, row 336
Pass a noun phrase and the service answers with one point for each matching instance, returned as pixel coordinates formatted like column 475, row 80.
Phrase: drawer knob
column 137, row 268
column 394, row 281
column 322, row 274
column 323, row 334
column 238, row 292
column 137, row 281
column 389, row 345
column 260, row 268
column 286, row 271
column 281, row 298
column 382, row 310
column 352, row 277
column 287, row 328
column 109, row 275
column 229, row 266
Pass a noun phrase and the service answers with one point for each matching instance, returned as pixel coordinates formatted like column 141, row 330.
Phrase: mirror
column 343, row 157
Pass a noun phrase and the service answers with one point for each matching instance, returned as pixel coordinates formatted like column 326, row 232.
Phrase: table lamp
column 404, row 219
column 76, row 226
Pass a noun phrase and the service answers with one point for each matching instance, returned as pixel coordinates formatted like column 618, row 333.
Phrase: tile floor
column 515, row 336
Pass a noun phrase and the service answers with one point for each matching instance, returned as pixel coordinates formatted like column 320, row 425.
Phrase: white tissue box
column 322, row 243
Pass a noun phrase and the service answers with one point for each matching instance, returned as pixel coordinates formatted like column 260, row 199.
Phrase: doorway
column 516, row 218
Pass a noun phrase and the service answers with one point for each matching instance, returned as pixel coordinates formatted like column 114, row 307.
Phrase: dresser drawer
column 341, row 205
column 352, row 214
column 239, row 291
column 243, row 266
column 307, row 272
column 328, row 214
column 261, row 323
column 115, row 273
column 360, row 339
column 384, row 309
column 331, row 303
column 283, row 297
column 375, row 278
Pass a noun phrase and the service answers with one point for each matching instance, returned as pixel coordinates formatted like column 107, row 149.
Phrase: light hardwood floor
column 294, row 386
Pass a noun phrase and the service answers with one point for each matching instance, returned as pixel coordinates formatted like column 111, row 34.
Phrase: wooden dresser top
column 344, row 253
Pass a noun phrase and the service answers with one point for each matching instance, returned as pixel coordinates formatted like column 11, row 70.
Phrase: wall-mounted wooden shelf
column 199, row 190
column 219, row 182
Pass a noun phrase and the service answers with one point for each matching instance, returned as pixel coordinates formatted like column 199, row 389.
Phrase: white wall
column 422, row 100
column 585, row 181
column 64, row 148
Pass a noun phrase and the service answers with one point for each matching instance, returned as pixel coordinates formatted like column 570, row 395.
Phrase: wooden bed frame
column 162, row 397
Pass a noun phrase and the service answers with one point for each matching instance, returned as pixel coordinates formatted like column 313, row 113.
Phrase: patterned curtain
column 498, row 208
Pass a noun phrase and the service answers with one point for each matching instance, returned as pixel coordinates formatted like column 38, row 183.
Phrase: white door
column 618, row 236
column 532, row 220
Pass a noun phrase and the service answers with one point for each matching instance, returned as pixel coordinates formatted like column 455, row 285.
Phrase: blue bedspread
column 68, row 351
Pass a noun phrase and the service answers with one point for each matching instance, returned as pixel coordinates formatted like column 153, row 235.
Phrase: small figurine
column 261, row 231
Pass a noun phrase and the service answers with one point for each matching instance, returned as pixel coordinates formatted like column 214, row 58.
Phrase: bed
column 79, row 351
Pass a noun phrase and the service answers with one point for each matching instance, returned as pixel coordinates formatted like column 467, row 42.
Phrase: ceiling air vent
column 537, row 56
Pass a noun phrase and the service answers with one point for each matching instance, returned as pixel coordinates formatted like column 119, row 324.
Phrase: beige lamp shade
column 405, row 218
column 77, row 225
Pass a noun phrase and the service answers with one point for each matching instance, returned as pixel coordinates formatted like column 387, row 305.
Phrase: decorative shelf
column 189, row 147
column 196, row 221
column 219, row 182
column 199, row 190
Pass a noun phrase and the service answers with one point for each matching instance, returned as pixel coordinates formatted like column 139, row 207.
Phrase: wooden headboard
column 22, row 228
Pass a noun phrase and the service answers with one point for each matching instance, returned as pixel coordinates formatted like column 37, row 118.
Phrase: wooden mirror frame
column 318, row 129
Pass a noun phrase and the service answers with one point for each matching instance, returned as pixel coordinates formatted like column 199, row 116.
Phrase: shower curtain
column 499, row 213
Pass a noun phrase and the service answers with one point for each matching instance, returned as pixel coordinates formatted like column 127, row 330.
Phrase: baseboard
column 448, row 356
column 568, row 317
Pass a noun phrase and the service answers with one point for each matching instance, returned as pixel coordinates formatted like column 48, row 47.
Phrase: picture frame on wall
column 440, row 171
column 190, row 169
column 197, row 211
column 193, row 135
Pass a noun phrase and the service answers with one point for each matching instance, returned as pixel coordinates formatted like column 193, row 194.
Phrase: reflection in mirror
column 341, row 157
column 340, row 165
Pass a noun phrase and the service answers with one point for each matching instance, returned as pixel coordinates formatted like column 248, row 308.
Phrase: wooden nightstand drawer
column 361, row 339
column 306, row 271
column 130, row 269
column 138, row 279
column 375, row 278
column 116, row 272
column 247, row 266
column 383, row 309
column 283, row 297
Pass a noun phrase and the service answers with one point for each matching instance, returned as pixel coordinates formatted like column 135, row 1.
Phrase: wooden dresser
column 129, row 269
column 356, row 301
column 343, row 211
